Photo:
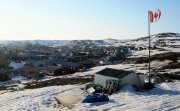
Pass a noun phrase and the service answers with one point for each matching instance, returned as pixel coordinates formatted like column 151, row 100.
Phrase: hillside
column 165, row 96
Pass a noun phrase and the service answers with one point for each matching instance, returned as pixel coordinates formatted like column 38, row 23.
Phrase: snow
column 169, row 44
column 159, row 64
column 172, row 49
column 14, row 81
column 165, row 96
column 169, row 86
column 131, row 100
column 34, row 99
column 19, row 78
column 20, row 87
column 172, row 71
column 16, row 65
column 145, row 53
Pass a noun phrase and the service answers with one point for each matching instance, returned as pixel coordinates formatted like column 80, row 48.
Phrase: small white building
column 122, row 76
column 105, row 62
column 178, row 59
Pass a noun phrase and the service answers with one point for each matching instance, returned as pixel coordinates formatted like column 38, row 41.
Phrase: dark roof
column 70, row 64
column 114, row 73
column 54, row 67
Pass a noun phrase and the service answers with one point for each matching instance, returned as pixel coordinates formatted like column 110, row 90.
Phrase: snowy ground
column 165, row 96
column 16, row 65
column 41, row 99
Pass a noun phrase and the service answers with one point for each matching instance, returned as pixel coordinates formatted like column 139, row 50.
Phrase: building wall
column 142, row 78
column 101, row 80
column 131, row 79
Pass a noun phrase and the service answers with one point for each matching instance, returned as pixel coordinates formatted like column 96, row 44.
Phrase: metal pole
column 149, row 45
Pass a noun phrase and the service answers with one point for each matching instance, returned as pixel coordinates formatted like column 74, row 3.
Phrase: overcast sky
column 84, row 19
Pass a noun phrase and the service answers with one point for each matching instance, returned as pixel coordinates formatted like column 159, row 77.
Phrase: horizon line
column 79, row 39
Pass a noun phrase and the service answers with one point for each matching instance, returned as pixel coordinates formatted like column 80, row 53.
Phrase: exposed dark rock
column 172, row 66
column 4, row 77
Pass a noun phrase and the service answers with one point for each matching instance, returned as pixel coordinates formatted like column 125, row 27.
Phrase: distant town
column 34, row 60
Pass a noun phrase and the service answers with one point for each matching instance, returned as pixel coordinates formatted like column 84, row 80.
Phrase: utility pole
column 149, row 46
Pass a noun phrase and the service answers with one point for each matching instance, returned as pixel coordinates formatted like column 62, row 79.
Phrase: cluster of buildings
column 38, row 60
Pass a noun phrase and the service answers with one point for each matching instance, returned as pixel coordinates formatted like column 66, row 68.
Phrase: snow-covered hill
column 160, row 43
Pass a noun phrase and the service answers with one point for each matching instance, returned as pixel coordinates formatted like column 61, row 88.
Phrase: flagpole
column 149, row 44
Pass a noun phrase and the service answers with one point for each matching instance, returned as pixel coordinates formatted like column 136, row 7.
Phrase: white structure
column 178, row 59
column 123, row 77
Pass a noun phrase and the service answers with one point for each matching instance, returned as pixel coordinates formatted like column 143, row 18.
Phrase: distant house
column 3, row 61
column 105, row 62
column 57, row 70
column 98, row 52
column 121, row 76
column 131, row 48
column 73, row 67
column 87, row 63
column 29, row 72
column 40, row 64
column 178, row 59
column 140, row 48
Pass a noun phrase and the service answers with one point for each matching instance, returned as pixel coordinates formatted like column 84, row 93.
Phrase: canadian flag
column 154, row 16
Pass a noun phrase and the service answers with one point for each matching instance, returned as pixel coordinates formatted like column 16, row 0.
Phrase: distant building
column 105, row 62
column 57, row 70
column 3, row 61
column 29, row 72
column 64, row 68
column 178, row 59
column 73, row 67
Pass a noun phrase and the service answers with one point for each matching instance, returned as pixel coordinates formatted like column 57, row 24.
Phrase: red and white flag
column 154, row 16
